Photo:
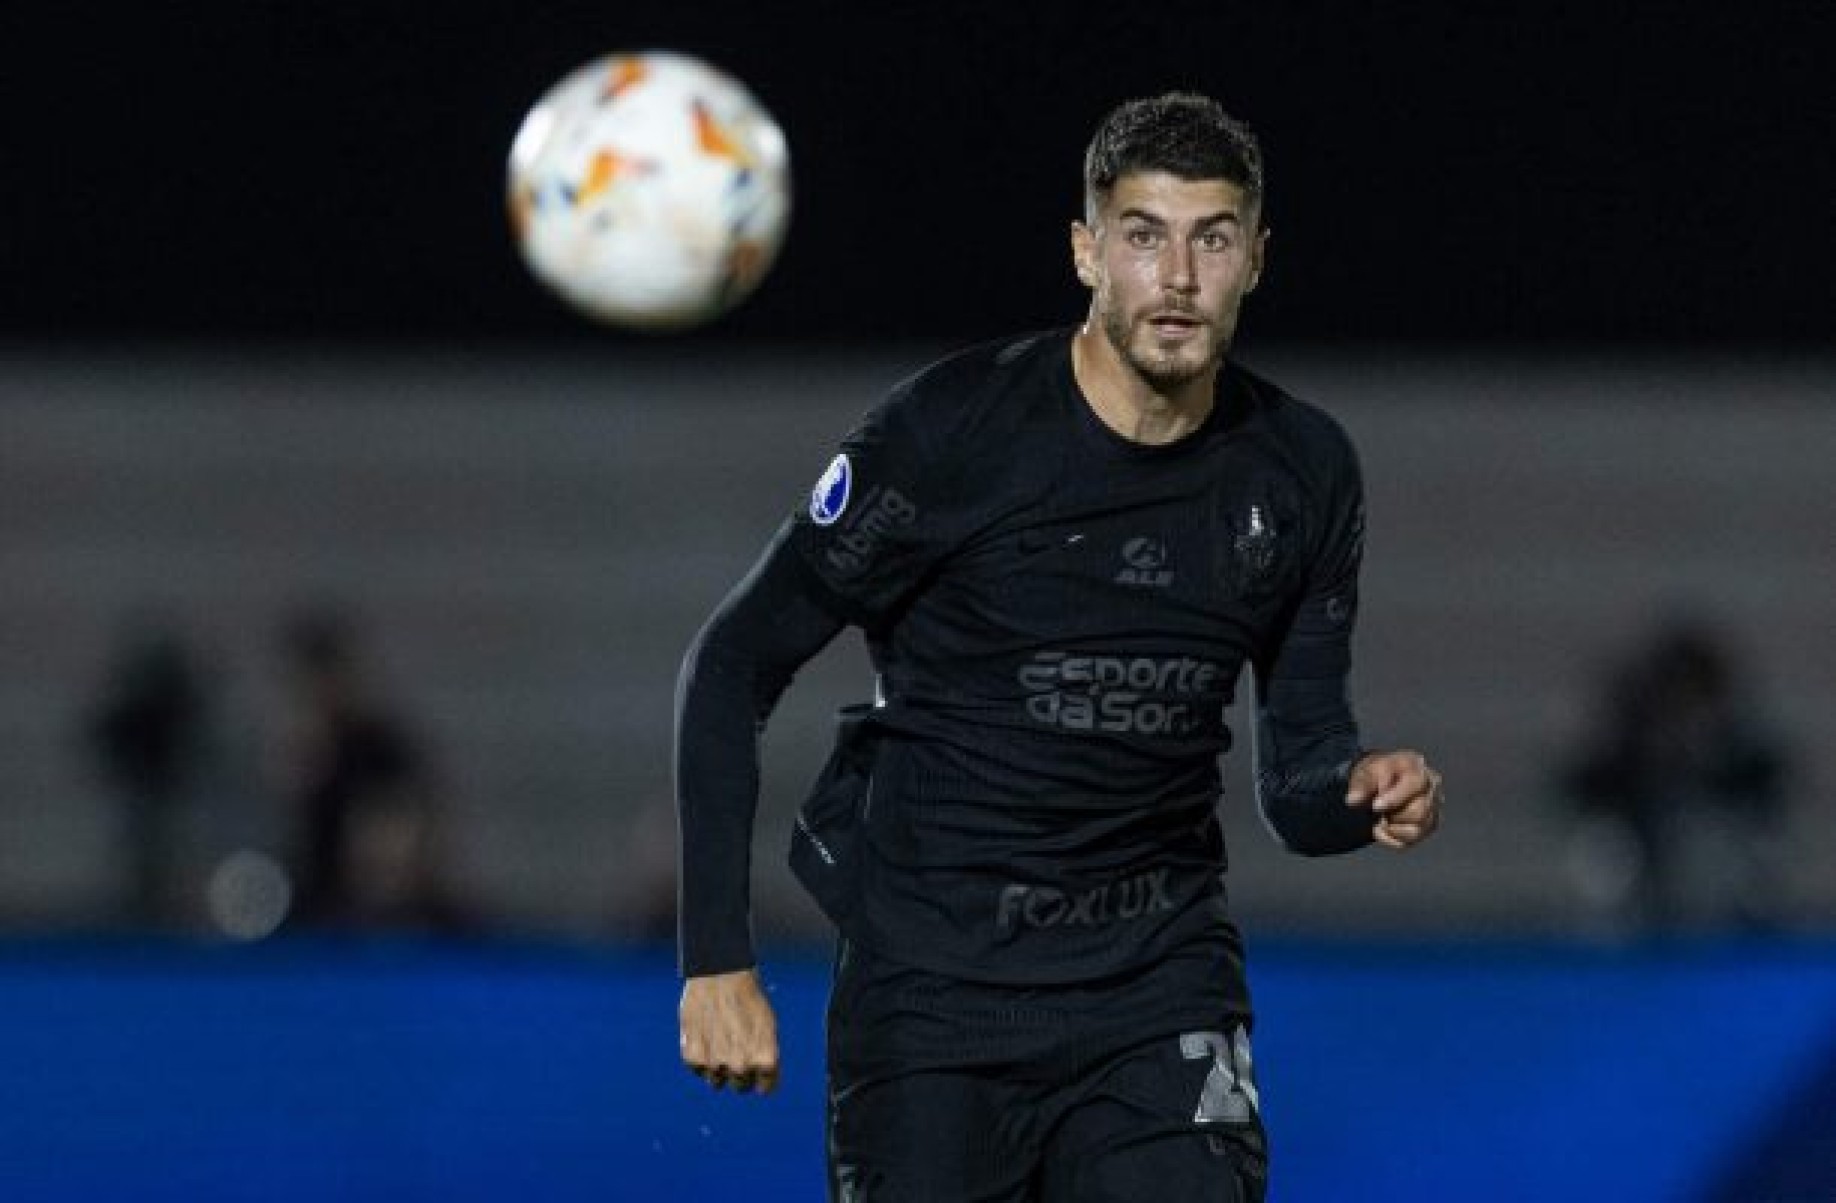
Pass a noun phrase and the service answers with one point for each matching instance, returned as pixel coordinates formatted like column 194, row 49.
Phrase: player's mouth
column 1175, row 326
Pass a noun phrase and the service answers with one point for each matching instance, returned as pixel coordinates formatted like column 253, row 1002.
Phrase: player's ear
column 1083, row 253
column 1259, row 258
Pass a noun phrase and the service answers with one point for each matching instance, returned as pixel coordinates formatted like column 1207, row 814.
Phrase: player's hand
column 1403, row 794
column 729, row 1032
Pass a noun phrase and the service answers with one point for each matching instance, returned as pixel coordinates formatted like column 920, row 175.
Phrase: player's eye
column 1214, row 240
column 1143, row 237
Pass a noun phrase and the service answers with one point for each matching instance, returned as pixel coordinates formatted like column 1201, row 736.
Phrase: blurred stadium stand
column 531, row 542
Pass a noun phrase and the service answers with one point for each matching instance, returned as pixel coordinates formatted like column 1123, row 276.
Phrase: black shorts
column 1136, row 1088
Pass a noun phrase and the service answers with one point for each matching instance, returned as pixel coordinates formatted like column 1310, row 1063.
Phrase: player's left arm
column 1320, row 790
column 1403, row 793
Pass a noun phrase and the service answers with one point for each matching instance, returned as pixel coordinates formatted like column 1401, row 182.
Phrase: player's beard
column 1164, row 370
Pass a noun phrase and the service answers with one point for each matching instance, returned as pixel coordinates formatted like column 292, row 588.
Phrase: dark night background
column 1575, row 173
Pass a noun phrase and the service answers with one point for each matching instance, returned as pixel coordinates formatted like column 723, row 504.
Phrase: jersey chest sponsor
column 1141, row 695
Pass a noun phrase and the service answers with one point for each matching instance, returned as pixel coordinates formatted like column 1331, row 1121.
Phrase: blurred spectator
column 148, row 735
column 366, row 802
column 1681, row 786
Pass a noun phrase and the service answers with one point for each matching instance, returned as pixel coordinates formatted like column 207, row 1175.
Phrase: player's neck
column 1128, row 403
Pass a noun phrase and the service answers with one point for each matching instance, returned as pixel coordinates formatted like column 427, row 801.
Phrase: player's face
column 1168, row 262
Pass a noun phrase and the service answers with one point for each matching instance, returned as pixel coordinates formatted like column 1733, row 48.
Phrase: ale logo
column 1145, row 563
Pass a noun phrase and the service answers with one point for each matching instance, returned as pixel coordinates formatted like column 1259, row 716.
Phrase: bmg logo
column 885, row 511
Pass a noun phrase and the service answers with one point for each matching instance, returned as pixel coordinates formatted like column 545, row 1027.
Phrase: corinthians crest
column 1253, row 541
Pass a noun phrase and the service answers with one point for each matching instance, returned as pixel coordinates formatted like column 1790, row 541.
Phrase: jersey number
column 1229, row 1096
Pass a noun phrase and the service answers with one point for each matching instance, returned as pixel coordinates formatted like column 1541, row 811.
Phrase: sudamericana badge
column 830, row 496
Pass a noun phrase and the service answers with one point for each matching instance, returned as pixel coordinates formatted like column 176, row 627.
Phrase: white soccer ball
column 649, row 189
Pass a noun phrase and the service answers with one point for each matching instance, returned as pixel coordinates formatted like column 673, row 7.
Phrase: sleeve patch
column 829, row 498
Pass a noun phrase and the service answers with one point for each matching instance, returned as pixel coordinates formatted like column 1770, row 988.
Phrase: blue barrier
column 307, row 1071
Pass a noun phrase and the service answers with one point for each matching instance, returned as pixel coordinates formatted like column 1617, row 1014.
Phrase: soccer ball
column 649, row 190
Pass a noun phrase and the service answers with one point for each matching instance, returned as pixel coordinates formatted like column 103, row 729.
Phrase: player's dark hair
column 1180, row 133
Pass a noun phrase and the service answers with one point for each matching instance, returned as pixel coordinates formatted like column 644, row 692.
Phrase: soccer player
column 1062, row 549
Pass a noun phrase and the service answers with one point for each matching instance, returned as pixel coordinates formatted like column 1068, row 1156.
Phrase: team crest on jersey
column 1255, row 543
column 830, row 496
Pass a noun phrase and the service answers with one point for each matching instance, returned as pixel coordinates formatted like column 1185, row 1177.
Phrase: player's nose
column 1178, row 266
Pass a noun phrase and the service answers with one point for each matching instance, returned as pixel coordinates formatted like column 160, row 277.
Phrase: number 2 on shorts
column 1229, row 1095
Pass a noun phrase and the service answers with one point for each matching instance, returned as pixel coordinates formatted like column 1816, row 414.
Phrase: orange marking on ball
column 604, row 171
column 715, row 140
column 626, row 74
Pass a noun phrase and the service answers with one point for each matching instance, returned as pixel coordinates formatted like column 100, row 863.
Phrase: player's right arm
column 732, row 677
column 877, row 520
column 729, row 1031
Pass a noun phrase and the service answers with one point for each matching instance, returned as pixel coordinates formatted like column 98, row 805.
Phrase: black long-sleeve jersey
column 1058, row 617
